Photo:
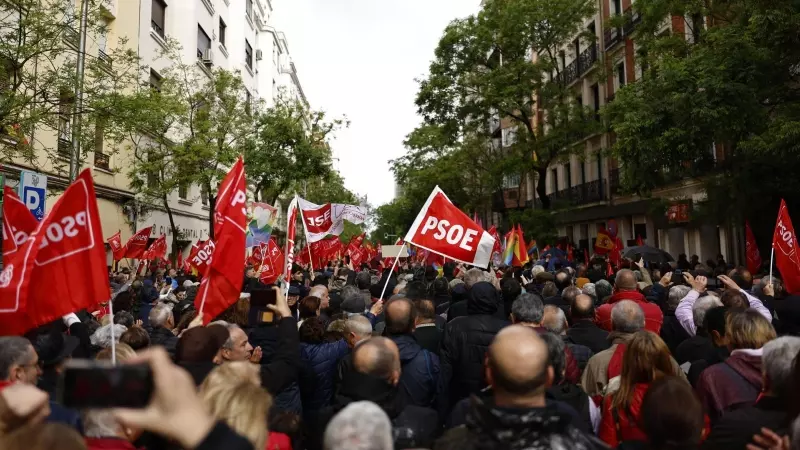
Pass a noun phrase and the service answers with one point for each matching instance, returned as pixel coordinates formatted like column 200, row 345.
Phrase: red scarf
column 615, row 365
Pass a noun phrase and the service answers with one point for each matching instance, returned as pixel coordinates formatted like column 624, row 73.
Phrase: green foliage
column 537, row 224
column 733, row 84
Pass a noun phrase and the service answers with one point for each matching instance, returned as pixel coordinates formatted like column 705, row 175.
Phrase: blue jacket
column 316, row 381
column 419, row 376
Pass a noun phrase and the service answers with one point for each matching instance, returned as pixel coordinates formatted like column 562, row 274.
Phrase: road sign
column 33, row 191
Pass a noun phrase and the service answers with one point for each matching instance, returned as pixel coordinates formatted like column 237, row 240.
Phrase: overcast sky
column 360, row 58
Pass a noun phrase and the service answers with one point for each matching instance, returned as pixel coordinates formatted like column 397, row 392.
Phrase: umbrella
column 649, row 254
column 554, row 252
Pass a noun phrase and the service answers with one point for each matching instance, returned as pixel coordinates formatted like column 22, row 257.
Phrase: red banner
column 784, row 241
column 272, row 264
column 355, row 243
column 325, row 250
column 444, row 229
column 115, row 242
column 137, row 244
column 751, row 250
column 19, row 251
column 158, row 249
column 223, row 278
column 71, row 258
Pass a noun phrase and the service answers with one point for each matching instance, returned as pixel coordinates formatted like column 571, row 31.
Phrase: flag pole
column 771, row 257
column 308, row 241
column 113, row 340
column 391, row 271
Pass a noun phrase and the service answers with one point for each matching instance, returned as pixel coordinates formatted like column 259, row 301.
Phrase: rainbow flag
column 521, row 253
column 510, row 245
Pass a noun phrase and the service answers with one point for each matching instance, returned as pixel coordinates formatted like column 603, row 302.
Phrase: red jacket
column 278, row 441
column 628, row 428
column 108, row 444
column 653, row 317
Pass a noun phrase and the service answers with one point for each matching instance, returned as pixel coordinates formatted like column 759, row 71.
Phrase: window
column 568, row 174
column 203, row 42
column 555, row 180
column 512, row 181
column 155, row 81
column 101, row 160
column 65, row 103
column 222, row 30
column 248, row 106
column 619, row 75
column 617, row 7
column 509, row 136
column 183, row 191
column 248, row 54
column 596, row 98
column 158, row 17
column 249, row 9
column 204, row 195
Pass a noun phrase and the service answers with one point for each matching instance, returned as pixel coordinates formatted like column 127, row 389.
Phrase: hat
column 54, row 347
column 200, row 344
column 376, row 289
column 294, row 290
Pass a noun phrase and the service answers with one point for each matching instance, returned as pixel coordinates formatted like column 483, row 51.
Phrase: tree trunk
column 173, row 227
column 212, row 205
column 541, row 187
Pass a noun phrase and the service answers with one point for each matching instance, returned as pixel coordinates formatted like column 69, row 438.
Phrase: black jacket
column 419, row 375
column 586, row 332
column 163, row 337
column 464, row 346
column 736, row 428
column 318, row 371
column 413, row 426
column 559, row 301
column 267, row 336
column 490, row 427
column 672, row 332
column 281, row 360
column 429, row 337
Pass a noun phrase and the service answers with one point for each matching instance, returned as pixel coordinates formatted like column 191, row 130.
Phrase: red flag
column 498, row 247
column 115, row 242
column 784, row 241
column 71, row 258
column 201, row 254
column 137, row 244
column 356, row 243
column 570, row 256
column 444, row 229
column 639, row 241
column 751, row 250
column 19, row 252
column 158, row 249
column 523, row 251
column 223, row 278
column 179, row 260
column 272, row 265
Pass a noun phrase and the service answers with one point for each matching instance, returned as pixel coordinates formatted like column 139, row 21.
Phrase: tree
column 722, row 106
column 38, row 44
column 484, row 71
column 291, row 147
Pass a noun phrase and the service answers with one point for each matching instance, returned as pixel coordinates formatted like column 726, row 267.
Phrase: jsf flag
column 444, row 229
column 223, row 278
column 784, row 241
column 65, row 254
column 751, row 250
column 322, row 220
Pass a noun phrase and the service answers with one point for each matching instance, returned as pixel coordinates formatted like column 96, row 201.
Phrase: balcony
column 611, row 37
column 157, row 28
column 632, row 19
column 579, row 66
column 613, row 181
column 102, row 161
column 582, row 194
column 104, row 58
column 64, row 147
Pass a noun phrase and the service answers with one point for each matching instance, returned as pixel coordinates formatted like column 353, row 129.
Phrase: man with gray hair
column 736, row 428
column 627, row 318
column 473, row 276
column 353, row 301
column 672, row 331
column 19, row 362
column 237, row 347
column 359, row 426
column 555, row 321
column 160, row 328
column 357, row 329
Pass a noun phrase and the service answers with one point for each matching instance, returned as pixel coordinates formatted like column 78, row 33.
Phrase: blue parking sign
column 33, row 191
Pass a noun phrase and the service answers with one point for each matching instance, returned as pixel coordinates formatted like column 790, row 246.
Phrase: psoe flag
column 444, row 229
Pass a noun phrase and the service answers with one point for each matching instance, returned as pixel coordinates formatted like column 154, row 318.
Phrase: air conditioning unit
column 259, row 55
column 208, row 56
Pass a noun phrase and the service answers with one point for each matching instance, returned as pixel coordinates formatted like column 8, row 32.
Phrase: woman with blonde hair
column 645, row 360
column 737, row 381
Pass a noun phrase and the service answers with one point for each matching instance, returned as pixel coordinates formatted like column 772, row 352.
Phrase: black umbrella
column 649, row 254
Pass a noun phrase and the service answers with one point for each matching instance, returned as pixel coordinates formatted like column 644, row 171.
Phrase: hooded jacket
column 464, row 346
column 491, row 427
column 419, row 376
column 732, row 384
column 653, row 317
column 412, row 426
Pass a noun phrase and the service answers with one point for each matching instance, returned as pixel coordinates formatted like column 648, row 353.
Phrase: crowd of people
column 647, row 356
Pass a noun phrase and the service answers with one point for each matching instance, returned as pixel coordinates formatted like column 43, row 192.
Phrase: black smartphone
column 677, row 277
column 259, row 313
column 99, row 384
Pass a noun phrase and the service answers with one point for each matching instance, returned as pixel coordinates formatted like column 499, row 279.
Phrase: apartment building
column 585, row 190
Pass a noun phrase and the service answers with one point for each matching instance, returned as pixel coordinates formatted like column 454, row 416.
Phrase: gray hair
column 556, row 321
column 528, row 308
column 160, row 314
column 777, row 361
column 318, row 291
column 536, row 270
column 228, row 326
column 473, row 276
column 99, row 423
column 102, row 336
column 676, row 294
column 557, row 354
column 360, row 426
column 455, row 282
column 14, row 350
column 589, row 289
column 627, row 317
column 353, row 300
column 359, row 325
column 603, row 289
column 701, row 307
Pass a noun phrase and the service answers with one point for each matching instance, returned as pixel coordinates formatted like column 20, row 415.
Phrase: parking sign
column 33, row 191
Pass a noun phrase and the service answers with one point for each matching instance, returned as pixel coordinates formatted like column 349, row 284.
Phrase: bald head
column 518, row 362
column 400, row 315
column 625, row 280
column 582, row 308
column 379, row 357
column 318, row 291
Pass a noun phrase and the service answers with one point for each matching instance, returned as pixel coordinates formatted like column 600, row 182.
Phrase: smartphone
column 259, row 313
column 87, row 383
